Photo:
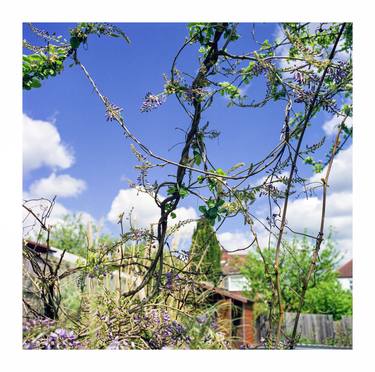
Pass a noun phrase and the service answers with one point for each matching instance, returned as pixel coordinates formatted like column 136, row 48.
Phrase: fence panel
column 313, row 328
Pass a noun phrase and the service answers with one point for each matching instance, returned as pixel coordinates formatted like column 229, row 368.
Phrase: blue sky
column 102, row 157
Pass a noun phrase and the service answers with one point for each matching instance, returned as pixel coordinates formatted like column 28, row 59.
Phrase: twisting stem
column 319, row 239
column 287, row 191
column 169, row 204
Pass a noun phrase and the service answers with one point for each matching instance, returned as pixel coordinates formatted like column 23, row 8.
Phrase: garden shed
column 235, row 314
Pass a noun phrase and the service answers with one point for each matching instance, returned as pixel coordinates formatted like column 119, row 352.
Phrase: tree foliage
column 75, row 236
column 324, row 294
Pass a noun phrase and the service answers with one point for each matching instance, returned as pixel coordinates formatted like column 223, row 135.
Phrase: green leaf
column 220, row 202
column 318, row 167
column 265, row 45
column 211, row 203
column 183, row 192
column 173, row 215
column 171, row 190
column 197, row 158
column 212, row 213
column 309, row 160
column 229, row 89
column 35, row 83
column 74, row 42
column 202, row 209
column 200, row 179
column 220, row 172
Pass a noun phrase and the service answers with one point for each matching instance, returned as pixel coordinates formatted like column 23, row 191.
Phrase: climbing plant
column 306, row 70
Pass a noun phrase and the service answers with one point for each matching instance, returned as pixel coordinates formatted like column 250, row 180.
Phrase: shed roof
column 52, row 251
column 38, row 247
column 224, row 293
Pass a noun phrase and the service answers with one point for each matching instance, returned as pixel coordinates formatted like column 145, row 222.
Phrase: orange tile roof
column 232, row 263
column 346, row 271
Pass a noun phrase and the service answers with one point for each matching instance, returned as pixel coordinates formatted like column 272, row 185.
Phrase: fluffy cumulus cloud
column 330, row 126
column 185, row 214
column 42, row 146
column 341, row 174
column 51, row 216
column 140, row 209
column 136, row 205
column 60, row 185
column 306, row 213
column 232, row 241
column 43, row 211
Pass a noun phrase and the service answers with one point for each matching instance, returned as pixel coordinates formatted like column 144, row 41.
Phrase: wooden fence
column 314, row 329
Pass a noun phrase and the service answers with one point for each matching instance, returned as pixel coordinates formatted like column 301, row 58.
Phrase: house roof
column 232, row 263
column 346, row 271
column 224, row 293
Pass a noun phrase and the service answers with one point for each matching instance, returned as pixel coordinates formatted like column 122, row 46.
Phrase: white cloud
column 330, row 126
column 232, row 241
column 276, row 180
column 40, row 207
column 62, row 185
column 145, row 212
column 142, row 207
column 306, row 213
column 346, row 249
column 341, row 173
column 42, row 146
column 304, row 216
column 184, row 214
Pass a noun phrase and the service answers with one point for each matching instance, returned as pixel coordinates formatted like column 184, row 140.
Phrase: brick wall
column 248, row 324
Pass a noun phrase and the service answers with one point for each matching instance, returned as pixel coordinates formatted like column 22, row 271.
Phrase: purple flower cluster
column 194, row 93
column 168, row 282
column 304, row 96
column 168, row 335
column 299, row 77
column 158, row 331
column 208, row 320
column 173, row 281
column 338, row 73
column 117, row 344
column 112, row 112
column 97, row 271
column 152, row 101
column 60, row 339
column 202, row 319
column 258, row 69
column 30, row 325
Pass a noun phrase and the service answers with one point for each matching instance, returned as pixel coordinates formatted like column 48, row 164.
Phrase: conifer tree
column 205, row 252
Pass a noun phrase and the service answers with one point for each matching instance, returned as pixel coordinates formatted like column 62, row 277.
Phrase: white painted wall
column 235, row 282
column 346, row 283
